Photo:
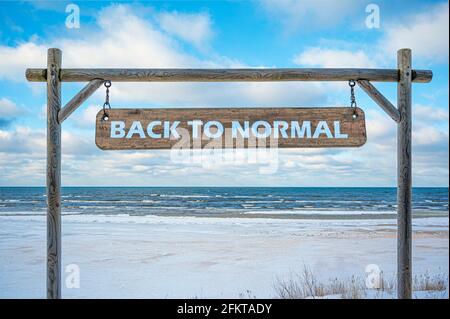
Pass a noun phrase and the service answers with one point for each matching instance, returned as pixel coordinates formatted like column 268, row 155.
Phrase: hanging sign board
column 134, row 129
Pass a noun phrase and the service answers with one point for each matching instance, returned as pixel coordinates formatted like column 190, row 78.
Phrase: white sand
column 184, row 257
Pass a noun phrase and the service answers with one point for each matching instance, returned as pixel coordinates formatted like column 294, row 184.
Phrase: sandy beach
column 186, row 257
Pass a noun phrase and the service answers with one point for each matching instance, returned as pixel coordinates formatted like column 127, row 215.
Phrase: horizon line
column 98, row 186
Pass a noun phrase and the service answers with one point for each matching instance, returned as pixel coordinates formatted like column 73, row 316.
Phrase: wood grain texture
column 53, row 175
column 380, row 99
column 355, row 128
column 404, row 178
column 228, row 75
column 78, row 99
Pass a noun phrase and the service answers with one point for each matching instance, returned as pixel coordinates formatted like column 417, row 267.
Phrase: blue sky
column 223, row 34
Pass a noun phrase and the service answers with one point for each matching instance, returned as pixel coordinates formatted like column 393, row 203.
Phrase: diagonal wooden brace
column 78, row 99
column 380, row 99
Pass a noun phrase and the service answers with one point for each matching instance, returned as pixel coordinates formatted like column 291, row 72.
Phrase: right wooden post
column 404, row 177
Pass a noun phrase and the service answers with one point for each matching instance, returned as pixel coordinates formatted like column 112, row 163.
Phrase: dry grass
column 247, row 295
column 300, row 286
column 354, row 289
column 429, row 282
column 306, row 285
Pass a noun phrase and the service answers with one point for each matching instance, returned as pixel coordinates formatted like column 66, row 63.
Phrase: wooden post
column 53, row 175
column 404, row 178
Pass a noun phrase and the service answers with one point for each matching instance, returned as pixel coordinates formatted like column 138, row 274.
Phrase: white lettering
column 150, row 127
column 195, row 126
column 267, row 129
column 136, row 128
column 282, row 126
column 117, row 129
column 236, row 127
column 215, row 129
column 337, row 130
column 171, row 129
column 218, row 132
column 296, row 130
column 322, row 128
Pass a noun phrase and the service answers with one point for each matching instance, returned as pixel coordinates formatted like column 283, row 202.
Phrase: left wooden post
column 53, row 174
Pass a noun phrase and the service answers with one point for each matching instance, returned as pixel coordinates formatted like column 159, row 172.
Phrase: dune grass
column 305, row 284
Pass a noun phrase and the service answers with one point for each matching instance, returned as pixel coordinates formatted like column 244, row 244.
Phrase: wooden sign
column 193, row 128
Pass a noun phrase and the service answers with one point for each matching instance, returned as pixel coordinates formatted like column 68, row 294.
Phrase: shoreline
column 319, row 214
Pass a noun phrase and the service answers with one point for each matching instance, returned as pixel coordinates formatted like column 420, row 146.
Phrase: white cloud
column 429, row 114
column 8, row 108
column 218, row 94
column 15, row 60
column 333, row 58
column 372, row 164
column 113, row 46
column 193, row 28
column 124, row 39
column 21, row 140
column 85, row 118
column 430, row 128
column 427, row 34
column 303, row 15
column 427, row 135
column 9, row 112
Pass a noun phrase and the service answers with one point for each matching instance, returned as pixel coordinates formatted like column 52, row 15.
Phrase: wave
column 184, row 196
column 320, row 212
column 111, row 201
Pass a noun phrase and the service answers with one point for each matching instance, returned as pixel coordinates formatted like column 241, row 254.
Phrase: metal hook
column 352, row 84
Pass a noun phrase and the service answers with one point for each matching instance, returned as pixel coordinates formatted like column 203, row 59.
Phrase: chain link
column 107, row 85
column 352, row 84
column 353, row 104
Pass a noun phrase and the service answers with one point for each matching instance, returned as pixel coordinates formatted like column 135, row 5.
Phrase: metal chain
column 352, row 84
column 107, row 85
column 353, row 104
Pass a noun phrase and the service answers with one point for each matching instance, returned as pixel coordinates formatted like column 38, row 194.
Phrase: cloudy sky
column 222, row 34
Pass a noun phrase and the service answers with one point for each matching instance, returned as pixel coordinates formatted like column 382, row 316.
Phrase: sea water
column 292, row 202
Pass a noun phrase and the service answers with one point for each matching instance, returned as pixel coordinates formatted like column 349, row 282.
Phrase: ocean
column 247, row 202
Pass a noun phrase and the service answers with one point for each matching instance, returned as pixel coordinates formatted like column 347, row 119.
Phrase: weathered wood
column 404, row 167
column 53, row 75
column 228, row 75
column 53, row 175
column 78, row 99
column 345, row 130
column 380, row 99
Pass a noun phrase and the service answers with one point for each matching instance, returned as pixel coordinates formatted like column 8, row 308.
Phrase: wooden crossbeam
column 228, row 75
